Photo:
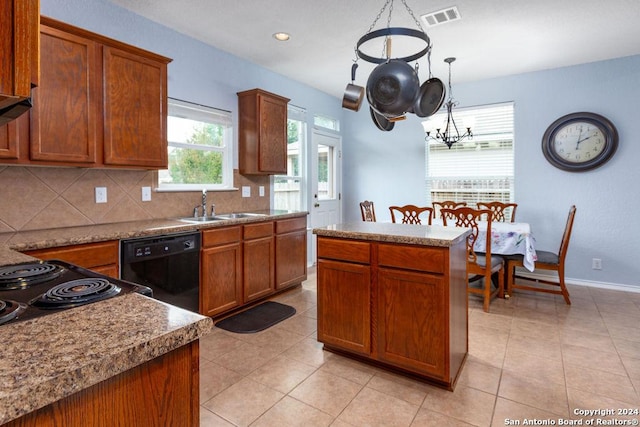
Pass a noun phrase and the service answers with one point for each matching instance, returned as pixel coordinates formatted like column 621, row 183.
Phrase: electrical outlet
column 246, row 191
column 146, row 194
column 101, row 194
column 261, row 190
column 596, row 264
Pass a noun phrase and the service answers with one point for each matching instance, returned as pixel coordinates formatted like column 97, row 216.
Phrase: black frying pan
column 430, row 98
column 381, row 121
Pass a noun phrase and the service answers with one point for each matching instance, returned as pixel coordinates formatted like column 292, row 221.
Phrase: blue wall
column 388, row 167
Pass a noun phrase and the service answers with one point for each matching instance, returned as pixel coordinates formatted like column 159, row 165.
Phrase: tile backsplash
column 34, row 198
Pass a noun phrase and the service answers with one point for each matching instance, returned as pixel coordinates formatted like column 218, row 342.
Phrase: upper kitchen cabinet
column 100, row 102
column 19, row 22
column 263, row 133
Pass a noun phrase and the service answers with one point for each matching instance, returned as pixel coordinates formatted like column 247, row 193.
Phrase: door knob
column 316, row 205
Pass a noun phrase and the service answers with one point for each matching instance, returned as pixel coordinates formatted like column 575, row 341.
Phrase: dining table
column 507, row 238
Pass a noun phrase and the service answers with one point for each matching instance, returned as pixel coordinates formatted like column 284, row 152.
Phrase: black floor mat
column 257, row 318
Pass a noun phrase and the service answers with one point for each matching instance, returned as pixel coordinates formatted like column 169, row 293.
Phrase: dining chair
column 448, row 204
column 479, row 265
column 503, row 212
column 411, row 213
column 368, row 212
column 546, row 261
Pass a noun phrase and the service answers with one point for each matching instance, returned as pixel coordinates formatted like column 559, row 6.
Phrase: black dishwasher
column 169, row 264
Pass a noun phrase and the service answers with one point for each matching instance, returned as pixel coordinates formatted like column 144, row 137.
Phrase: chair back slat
column 468, row 217
column 564, row 244
column 502, row 212
column 447, row 204
column 411, row 213
column 368, row 211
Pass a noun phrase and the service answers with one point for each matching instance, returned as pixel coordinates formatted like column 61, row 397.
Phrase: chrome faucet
column 204, row 202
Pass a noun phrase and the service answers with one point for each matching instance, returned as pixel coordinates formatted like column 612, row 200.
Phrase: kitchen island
column 395, row 295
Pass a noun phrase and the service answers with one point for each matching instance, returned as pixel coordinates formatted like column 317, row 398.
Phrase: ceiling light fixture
column 450, row 135
column 283, row 37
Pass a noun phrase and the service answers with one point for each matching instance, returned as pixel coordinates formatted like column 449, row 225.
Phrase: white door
column 326, row 185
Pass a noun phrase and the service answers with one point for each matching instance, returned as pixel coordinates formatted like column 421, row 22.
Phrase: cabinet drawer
column 255, row 231
column 412, row 257
column 221, row 236
column 88, row 255
column 344, row 250
column 287, row 225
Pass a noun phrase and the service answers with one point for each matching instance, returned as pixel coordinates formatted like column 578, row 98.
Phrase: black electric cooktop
column 34, row 289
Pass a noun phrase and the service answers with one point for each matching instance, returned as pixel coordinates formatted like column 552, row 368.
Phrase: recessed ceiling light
column 283, row 37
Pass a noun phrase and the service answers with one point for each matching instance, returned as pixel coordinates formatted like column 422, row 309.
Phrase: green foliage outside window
column 195, row 166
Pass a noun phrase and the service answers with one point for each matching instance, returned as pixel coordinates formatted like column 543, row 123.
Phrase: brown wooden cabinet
column 19, row 21
column 263, row 133
column 100, row 103
column 291, row 252
column 101, row 257
column 399, row 305
column 221, row 270
column 161, row 392
column 258, row 261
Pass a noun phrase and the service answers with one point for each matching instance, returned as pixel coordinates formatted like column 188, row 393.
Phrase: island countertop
column 412, row 234
column 45, row 359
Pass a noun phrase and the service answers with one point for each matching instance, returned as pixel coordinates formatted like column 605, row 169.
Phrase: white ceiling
column 494, row 37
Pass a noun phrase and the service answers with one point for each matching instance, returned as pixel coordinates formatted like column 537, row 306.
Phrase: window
column 476, row 170
column 326, row 123
column 287, row 189
column 200, row 144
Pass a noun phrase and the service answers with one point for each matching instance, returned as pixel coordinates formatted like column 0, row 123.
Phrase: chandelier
column 450, row 135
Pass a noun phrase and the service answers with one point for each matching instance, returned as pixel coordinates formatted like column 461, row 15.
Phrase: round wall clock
column 579, row 141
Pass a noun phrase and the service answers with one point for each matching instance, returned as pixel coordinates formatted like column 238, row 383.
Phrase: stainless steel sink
column 200, row 219
column 238, row 215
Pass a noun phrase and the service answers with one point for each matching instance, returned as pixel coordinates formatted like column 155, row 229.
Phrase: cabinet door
column 19, row 22
column 291, row 258
column 65, row 122
column 412, row 327
column 135, row 110
column 9, row 140
column 220, row 281
column 272, row 152
column 258, row 268
column 344, row 308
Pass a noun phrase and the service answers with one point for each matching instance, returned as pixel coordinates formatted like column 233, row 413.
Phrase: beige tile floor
column 531, row 358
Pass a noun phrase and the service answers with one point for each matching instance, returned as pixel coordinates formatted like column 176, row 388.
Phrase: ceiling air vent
column 441, row 16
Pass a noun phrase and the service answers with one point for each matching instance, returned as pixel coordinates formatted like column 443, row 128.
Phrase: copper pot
column 353, row 94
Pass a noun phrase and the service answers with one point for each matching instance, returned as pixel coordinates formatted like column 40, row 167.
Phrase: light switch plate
column 246, row 191
column 146, row 194
column 101, row 194
column 261, row 190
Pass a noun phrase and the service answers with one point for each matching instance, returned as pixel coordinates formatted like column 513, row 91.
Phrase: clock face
column 579, row 141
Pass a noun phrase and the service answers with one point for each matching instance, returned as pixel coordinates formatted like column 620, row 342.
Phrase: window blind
column 477, row 169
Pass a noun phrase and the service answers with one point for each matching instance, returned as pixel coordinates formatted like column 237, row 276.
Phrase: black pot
column 392, row 88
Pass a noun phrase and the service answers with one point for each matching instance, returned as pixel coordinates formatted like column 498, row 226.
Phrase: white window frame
column 459, row 173
column 208, row 115
column 298, row 114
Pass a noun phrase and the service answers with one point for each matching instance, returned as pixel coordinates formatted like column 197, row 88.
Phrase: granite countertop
column 45, row 359
column 49, row 238
column 412, row 234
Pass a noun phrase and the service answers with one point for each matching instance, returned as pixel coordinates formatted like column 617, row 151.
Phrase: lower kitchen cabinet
column 411, row 316
column 161, row 392
column 291, row 252
column 221, row 270
column 101, row 257
column 258, row 270
column 344, row 305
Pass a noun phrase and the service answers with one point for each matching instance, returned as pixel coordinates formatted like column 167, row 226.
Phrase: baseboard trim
column 580, row 282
